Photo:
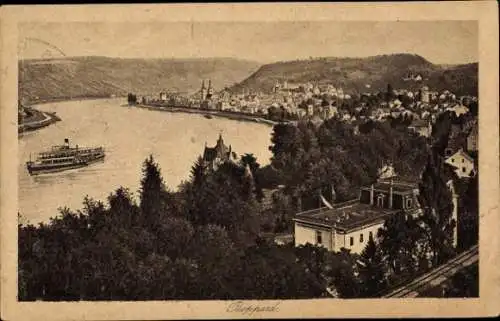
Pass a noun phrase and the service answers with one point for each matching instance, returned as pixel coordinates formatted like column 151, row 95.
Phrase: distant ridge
column 97, row 76
column 353, row 74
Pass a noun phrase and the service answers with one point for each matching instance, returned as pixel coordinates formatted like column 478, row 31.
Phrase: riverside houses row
column 351, row 224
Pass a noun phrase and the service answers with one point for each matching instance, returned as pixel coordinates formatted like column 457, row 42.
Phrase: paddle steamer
column 64, row 157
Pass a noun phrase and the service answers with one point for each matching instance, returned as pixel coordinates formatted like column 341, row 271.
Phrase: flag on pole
column 325, row 202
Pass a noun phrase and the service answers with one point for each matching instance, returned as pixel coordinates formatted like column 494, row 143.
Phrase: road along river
column 129, row 135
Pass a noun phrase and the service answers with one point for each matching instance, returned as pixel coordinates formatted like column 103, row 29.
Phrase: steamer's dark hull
column 37, row 169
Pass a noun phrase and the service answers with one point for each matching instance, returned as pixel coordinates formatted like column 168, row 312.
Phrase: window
column 319, row 238
column 462, row 160
column 452, row 160
column 463, row 169
column 380, row 200
column 370, row 235
column 351, row 241
column 361, row 238
column 408, row 202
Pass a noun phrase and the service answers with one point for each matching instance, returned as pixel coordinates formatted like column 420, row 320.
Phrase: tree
column 152, row 189
column 198, row 171
column 313, row 259
column 282, row 211
column 251, row 161
column 436, row 218
column 464, row 284
column 468, row 220
column 342, row 271
column 403, row 245
column 132, row 99
column 389, row 95
column 174, row 237
column 286, row 143
column 473, row 108
column 275, row 275
column 226, row 198
column 122, row 207
column 366, row 127
column 371, row 270
column 269, row 177
column 441, row 132
column 216, row 256
column 153, row 279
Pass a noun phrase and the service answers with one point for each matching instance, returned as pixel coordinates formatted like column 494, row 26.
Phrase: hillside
column 353, row 74
column 84, row 77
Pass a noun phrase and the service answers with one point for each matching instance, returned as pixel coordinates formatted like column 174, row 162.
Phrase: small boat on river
column 207, row 116
column 64, row 157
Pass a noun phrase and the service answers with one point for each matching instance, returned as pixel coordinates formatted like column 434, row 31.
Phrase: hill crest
column 99, row 76
column 355, row 74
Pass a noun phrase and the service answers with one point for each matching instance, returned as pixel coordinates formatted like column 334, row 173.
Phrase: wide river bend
column 129, row 136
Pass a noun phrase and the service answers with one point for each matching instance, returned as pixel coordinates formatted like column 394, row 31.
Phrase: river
column 129, row 136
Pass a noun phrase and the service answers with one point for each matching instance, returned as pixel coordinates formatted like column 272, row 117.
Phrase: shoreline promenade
column 205, row 112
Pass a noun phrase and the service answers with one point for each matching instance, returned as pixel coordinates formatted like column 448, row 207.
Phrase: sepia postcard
column 242, row 161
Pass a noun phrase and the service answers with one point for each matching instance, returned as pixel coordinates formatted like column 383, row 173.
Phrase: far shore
column 177, row 109
column 205, row 112
column 63, row 99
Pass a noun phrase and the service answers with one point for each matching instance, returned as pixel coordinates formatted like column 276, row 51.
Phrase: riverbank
column 50, row 118
column 41, row 101
column 37, row 120
column 210, row 113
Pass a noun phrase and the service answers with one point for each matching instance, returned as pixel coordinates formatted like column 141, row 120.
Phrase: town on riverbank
column 362, row 181
column 416, row 106
column 340, row 179
column 316, row 212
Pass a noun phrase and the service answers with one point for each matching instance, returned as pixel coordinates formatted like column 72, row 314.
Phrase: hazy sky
column 443, row 42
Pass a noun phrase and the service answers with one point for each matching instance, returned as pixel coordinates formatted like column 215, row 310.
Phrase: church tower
column 203, row 91
column 210, row 90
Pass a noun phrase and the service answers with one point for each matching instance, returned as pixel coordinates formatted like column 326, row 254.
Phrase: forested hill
column 353, row 74
column 84, row 77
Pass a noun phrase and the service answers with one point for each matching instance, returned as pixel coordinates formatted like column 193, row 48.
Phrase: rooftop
column 419, row 123
column 219, row 150
column 398, row 186
column 454, row 145
column 347, row 216
column 462, row 153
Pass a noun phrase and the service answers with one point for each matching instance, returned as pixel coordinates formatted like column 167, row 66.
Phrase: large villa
column 351, row 224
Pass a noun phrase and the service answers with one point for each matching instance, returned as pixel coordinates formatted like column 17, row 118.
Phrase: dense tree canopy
column 371, row 270
column 312, row 159
column 205, row 241
column 435, row 199
column 128, row 251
